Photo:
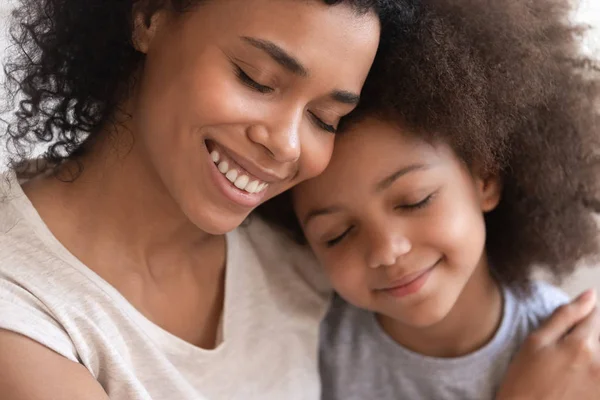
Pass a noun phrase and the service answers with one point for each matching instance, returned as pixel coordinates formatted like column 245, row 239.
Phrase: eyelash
column 336, row 240
column 415, row 206
column 323, row 125
column 418, row 205
column 248, row 81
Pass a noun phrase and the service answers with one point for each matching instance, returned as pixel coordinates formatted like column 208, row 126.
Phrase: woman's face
column 238, row 100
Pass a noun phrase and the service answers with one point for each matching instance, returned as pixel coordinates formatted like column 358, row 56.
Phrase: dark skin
column 568, row 359
column 160, row 172
column 154, row 261
column 263, row 86
column 361, row 221
column 403, row 207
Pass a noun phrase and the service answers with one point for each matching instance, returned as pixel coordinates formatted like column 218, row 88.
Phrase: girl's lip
column 406, row 279
column 411, row 284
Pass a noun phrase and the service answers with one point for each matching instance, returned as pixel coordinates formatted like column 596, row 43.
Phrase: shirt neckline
column 164, row 339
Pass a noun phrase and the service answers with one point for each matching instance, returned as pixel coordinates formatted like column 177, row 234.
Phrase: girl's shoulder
column 534, row 307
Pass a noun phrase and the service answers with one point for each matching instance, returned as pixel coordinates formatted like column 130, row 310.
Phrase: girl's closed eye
column 415, row 205
column 337, row 239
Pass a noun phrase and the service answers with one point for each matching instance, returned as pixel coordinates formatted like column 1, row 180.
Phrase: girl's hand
column 561, row 360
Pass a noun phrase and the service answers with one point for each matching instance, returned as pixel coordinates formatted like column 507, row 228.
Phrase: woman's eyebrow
column 292, row 64
column 279, row 55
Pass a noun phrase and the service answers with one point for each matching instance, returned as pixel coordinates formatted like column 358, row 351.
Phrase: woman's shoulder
column 45, row 294
column 267, row 236
column 282, row 257
column 32, row 286
column 26, row 253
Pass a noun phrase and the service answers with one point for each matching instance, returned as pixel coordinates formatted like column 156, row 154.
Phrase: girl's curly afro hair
column 505, row 84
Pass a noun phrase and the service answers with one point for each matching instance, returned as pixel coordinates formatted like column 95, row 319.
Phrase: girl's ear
column 489, row 190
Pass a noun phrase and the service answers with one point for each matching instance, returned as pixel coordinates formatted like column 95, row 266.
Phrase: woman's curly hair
column 73, row 63
column 505, row 84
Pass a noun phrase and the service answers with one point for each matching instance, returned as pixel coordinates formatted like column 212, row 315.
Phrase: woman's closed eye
column 323, row 125
column 248, row 81
column 253, row 84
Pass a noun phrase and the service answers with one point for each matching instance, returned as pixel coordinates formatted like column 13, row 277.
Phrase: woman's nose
column 280, row 138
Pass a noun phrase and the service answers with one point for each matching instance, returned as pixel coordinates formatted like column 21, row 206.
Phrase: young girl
column 478, row 163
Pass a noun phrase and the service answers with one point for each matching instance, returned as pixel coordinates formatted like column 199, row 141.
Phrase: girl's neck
column 469, row 325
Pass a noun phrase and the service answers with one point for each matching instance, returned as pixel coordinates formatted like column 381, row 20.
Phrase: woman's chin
column 218, row 223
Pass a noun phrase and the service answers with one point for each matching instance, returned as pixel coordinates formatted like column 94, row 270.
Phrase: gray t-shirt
column 360, row 361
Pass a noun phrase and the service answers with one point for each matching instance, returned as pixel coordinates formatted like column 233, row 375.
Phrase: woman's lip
column 232, row 193
column 245, row 164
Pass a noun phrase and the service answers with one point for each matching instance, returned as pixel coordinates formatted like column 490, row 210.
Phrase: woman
column 167, row 124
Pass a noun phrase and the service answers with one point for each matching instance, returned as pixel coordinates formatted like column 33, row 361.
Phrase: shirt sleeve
column 544, row 300
column 21, row 312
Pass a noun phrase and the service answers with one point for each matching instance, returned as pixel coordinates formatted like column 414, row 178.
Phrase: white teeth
column 241, row 182
column 231, row 175
column 224, row 167
column 252, row 186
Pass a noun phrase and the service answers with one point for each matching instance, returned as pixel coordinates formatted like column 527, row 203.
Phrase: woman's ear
column 145, row 26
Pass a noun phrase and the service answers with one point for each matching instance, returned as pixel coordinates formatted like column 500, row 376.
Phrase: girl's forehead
column 378, row 138
column 371, row 151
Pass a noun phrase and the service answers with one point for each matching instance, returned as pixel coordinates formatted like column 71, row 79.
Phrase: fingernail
column 586, row 296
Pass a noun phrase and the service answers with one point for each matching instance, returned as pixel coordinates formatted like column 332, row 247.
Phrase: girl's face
column 238, row 100
column 397, row 222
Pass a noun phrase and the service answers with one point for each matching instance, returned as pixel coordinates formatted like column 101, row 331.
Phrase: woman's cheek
column 317, row 148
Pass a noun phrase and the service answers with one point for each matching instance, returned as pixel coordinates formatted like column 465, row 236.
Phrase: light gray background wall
column 588, row 12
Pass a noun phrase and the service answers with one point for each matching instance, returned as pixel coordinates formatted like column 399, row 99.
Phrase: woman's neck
column 469, row 325
column 120, row 221
column 117, row 205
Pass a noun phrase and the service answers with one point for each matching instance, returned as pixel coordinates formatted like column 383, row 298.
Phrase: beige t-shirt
column 275, row 298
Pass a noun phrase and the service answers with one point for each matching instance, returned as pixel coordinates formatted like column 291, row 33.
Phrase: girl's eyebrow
column 381, row 185
column 317, row 212
column 387, row 181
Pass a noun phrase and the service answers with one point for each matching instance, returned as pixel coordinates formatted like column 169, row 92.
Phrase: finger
column 582, row 343
column 565, row 319
column 587, row 329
